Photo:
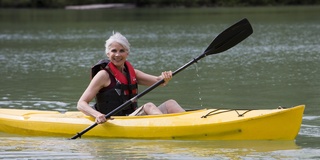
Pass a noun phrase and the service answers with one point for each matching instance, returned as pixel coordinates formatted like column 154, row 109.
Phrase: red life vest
column 121, row 90
column 122, row 79
column 127, row 87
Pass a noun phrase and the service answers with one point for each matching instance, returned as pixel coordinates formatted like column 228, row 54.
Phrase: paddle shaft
column 225, row 40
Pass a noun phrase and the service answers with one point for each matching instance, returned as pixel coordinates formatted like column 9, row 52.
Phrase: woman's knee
column 148, row 106
column 172, row 102
column 151, row 109
column 173, row 106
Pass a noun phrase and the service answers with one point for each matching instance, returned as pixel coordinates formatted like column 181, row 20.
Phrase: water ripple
column 310, row 130
column 43, row 155
column 41, row 105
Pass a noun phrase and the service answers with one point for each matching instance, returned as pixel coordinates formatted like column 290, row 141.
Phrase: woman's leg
column 170, row 106
column 151, row 109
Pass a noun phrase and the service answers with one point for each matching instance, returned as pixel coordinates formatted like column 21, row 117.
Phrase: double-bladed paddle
column 224, row 41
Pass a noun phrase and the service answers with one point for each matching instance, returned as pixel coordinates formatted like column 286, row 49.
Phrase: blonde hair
column 119, row 38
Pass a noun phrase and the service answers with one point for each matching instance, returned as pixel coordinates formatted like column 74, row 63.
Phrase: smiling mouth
column 117, row 59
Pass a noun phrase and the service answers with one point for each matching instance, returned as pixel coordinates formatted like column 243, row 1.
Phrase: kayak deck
column 205, row 124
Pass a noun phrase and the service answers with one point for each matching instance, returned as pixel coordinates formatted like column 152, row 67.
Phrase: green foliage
column 153, row 3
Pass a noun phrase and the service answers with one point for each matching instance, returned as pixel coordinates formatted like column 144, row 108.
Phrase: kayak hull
column 206, row 124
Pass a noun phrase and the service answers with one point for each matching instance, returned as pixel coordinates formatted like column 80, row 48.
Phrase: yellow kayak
column 205, row 124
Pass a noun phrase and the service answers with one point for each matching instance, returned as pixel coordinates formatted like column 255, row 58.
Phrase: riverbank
column 102, row 6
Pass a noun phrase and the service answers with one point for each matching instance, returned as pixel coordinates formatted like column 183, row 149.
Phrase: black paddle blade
column 230, row 37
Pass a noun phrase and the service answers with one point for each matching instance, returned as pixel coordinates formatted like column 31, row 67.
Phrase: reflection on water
column 54, row 148
column 198, row 149
column 28, row 148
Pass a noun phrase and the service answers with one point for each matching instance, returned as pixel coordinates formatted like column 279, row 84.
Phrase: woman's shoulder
column 102, row 74
column 102, row 79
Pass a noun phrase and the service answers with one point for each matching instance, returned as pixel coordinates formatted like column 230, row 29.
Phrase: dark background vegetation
column 153, row 3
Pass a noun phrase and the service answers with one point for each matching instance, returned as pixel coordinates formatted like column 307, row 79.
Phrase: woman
column 116, row 81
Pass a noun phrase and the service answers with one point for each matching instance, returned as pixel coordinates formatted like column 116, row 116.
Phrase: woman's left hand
column 166, row 76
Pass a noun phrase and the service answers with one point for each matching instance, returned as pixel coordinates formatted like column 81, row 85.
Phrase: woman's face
column 117, row 54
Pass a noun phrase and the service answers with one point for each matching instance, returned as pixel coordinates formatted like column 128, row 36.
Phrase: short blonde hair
column 119, row 38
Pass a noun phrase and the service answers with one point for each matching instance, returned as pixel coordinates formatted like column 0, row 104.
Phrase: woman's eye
column 120, row 51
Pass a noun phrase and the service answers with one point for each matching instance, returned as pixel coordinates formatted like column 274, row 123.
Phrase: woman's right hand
column 101, row 119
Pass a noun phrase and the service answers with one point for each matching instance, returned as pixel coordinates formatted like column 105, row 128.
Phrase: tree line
column 153, row 3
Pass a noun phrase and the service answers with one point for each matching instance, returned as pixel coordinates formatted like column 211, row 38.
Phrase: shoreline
column 102, row 6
